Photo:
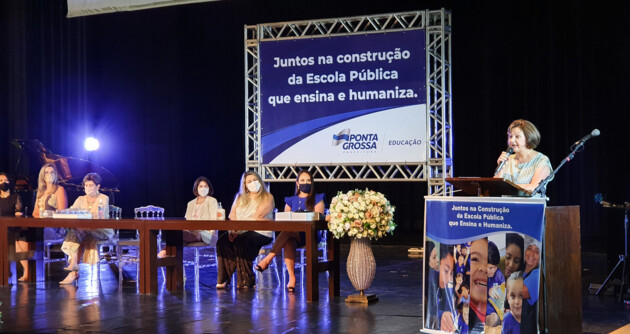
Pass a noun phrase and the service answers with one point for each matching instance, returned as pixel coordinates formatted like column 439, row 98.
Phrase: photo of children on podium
column 482, row 265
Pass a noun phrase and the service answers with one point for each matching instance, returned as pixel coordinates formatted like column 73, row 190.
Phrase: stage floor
column 99, row 306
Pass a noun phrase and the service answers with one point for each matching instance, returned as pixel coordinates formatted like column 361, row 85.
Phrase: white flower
column 361, row 214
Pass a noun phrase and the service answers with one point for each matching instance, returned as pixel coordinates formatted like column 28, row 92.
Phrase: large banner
column 344, row 99
column 482, row 260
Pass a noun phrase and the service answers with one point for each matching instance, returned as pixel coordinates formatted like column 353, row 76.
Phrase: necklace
column 90, row 203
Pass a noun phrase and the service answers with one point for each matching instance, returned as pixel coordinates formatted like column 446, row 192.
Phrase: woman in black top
column 10, row 202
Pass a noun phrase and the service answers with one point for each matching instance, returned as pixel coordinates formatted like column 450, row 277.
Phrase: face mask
column 203, row 191
column 4, row 186
column 89, row 191
column 50, row 178
column 253, row 186
column 305, row 188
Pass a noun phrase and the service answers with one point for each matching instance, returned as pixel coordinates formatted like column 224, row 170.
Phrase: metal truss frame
column 437, row 24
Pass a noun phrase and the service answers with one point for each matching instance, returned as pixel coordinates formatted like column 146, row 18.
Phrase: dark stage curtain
column 164, row 90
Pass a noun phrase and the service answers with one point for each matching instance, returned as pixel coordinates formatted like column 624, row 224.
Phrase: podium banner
column 482, row 260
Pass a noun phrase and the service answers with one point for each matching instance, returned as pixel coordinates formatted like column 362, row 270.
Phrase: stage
column 99, row 306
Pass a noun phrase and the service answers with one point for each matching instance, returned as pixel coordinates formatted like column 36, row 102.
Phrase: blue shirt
column 460, row 269
column 297, row 203
column 510, row 325
column 446, row 303
column 531, row 281
column 497, row 279
column 463, row 326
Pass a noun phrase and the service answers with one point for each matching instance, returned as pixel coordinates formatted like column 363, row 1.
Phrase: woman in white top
column 236, row 250
column 82, row 242
column 203, row 207
column 50, row 197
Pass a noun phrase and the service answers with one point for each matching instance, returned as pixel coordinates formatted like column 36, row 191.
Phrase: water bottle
column 220, row 212
column 101, row 211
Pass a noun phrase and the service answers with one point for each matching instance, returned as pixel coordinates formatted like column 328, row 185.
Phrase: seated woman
column 82, row 242
column 10, row 202
column 236, row 250
column 304, row 199
column 204, row 207
column 50, row 197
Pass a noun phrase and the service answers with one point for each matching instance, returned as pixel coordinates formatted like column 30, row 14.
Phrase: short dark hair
column 207, row 181
column 94, row 177
column 532, row 135
column 493, row 254
column 445, row 250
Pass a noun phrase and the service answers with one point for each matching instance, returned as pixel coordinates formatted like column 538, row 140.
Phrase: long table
column 172, row 231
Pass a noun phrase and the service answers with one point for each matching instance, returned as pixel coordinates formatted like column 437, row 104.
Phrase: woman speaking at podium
column 526, row 167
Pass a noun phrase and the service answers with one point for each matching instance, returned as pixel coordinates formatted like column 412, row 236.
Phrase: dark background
column 163, row 89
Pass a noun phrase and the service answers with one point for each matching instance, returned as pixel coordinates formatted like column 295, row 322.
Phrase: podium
column 563, row 270
column 562, row 275
column 487, row 186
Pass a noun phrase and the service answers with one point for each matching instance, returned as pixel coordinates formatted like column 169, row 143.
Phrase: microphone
column 509, row 151
column 593, row 133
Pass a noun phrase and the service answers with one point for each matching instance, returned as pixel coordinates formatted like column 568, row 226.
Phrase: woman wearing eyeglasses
column 82, row 242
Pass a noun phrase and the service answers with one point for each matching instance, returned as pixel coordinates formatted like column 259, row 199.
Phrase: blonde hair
column 243, row 197
column 41, row 180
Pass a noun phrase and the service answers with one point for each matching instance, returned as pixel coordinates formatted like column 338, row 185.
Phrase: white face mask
column 253, row 186
column 203, row 191
column 90, row 190
column 50, row 178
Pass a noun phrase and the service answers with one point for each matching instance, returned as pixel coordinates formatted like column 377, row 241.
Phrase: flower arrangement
column 361, row 214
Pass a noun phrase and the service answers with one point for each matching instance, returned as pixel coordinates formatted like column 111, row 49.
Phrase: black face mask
column 305, row 188
column 5, row 186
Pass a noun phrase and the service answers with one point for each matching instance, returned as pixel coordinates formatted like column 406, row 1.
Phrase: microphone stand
column 542, row 186
column 623, row 258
